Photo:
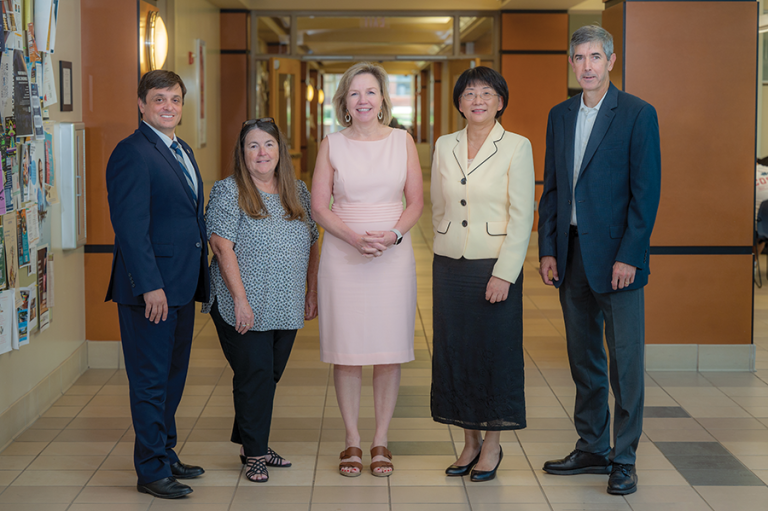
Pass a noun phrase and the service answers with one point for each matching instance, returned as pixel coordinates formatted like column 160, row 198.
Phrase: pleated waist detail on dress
column 362, row 212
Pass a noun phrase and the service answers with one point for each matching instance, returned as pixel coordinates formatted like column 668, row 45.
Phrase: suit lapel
column 165, row 151
column 602, row 123
column 460, row 151
column 489, row 148
column 569, row 122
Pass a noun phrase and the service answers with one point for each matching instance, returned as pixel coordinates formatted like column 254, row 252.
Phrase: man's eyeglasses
column 258, row 121
column 485, row 96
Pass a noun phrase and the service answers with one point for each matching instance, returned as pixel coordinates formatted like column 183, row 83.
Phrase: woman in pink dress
column 367, row 278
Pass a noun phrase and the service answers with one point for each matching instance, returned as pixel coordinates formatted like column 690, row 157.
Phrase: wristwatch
column 399, row 236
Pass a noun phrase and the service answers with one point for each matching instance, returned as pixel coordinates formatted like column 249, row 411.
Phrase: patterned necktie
column 180, row 158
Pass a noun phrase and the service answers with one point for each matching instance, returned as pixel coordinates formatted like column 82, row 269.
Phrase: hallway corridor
column 705, row 445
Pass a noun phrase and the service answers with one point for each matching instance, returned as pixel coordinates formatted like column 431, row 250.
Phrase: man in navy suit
column 159, row 270
column 602, row 179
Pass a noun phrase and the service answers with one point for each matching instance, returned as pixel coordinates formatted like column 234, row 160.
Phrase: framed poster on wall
column 202, row 131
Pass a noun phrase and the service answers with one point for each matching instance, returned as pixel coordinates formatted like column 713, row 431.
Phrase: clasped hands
column 623, row 275
column 374, row 243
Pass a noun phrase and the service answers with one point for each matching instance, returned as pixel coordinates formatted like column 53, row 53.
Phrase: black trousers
column 622, row 313
column 258, row 360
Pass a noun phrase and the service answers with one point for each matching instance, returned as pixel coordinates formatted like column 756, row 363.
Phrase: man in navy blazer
column 159, row 270
column 602, row 179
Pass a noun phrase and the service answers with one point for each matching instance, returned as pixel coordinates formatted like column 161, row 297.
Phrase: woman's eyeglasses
column 485, row 96
column 258, row 121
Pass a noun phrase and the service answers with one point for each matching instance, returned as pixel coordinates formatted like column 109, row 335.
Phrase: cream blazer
column 484, row 211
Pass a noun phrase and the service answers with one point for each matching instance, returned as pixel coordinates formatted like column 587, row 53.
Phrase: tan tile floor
column 78, row 455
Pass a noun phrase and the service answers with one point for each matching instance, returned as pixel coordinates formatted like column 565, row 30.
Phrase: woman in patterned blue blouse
column 263, row 279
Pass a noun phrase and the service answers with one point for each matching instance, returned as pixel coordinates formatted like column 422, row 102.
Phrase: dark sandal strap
column 275, row 460
column 256, row 467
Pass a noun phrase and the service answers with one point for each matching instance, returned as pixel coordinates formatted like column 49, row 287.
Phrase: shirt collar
column 585, row 108
column 166, row 140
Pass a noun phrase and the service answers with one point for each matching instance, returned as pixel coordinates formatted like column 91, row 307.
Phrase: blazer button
column 463, row 180
column 464, row 223
column 463, row 202
column 197, row 244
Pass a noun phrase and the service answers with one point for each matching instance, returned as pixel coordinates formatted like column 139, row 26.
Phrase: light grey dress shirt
column 584, row 125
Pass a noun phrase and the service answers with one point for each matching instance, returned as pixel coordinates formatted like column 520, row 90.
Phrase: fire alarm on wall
column 191, row 57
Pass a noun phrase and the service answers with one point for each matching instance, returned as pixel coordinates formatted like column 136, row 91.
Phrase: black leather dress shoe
column 167, row 488
column 183, row 471
column 478, row 476
column 462, row 470
column 623, row 480
column 579, row 462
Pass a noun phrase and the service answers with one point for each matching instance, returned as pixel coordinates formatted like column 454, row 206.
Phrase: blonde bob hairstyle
column 340, row 98
column 249, row 198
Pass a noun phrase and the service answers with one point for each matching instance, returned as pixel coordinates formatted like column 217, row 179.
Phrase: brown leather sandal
column 348, row 453
column 380, row 450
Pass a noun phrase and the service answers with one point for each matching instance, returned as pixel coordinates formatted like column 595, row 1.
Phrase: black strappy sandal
column 256, row 467
column 275, row 460
column 272, row 455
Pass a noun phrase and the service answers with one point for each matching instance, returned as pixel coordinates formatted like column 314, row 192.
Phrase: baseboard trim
column 700, row 357
column 105, row 355
column 28, row 408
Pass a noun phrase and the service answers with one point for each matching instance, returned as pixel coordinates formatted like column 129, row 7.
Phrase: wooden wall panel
column 613, row 22
column 534, row 31
column 101, row 317
column 234, row 104
column 536, row 84
column 699, row 299
column 110, row 77
column 234, row 30
column 706, row 102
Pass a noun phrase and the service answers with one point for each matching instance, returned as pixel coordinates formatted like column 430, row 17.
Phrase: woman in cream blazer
column 482, row 214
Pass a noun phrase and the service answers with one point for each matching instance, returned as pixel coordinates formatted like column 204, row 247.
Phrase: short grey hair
column 592, row 34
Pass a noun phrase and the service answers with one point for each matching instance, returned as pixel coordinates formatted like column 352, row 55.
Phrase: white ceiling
column 408, row 5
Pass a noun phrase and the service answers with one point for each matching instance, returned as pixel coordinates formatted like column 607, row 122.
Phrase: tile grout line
column 319, row 440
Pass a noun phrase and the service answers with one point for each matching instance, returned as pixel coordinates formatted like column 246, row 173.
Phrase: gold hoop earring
column 381, row 116
column 347, row 118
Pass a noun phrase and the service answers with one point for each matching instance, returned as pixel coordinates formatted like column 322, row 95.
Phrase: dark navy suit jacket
column 617, row 189
column 160, row 237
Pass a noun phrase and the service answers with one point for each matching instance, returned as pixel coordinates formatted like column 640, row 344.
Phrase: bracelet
column 311, row 291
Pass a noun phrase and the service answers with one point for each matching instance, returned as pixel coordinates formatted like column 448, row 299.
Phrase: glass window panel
column 476, row 35
column 274, row 35
column 375, row 35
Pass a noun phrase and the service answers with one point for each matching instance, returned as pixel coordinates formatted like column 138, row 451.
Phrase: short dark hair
column 481, row 75
column 160, row 79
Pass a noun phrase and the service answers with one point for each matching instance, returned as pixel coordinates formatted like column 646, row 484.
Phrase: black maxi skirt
column 477, row 365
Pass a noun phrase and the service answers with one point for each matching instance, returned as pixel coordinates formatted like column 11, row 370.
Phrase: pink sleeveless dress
column 367, row 306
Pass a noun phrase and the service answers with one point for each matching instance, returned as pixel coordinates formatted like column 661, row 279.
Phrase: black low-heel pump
column 479, row 476
column 462, row 470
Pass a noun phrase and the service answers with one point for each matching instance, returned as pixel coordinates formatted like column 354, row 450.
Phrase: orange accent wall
column 233, row 103
column 234, row 83
column 234, row 27
column 534, row 31
column 706, row 115
column 706, row 102
column 536, row 84
column 699, row 299
column 110, row 77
